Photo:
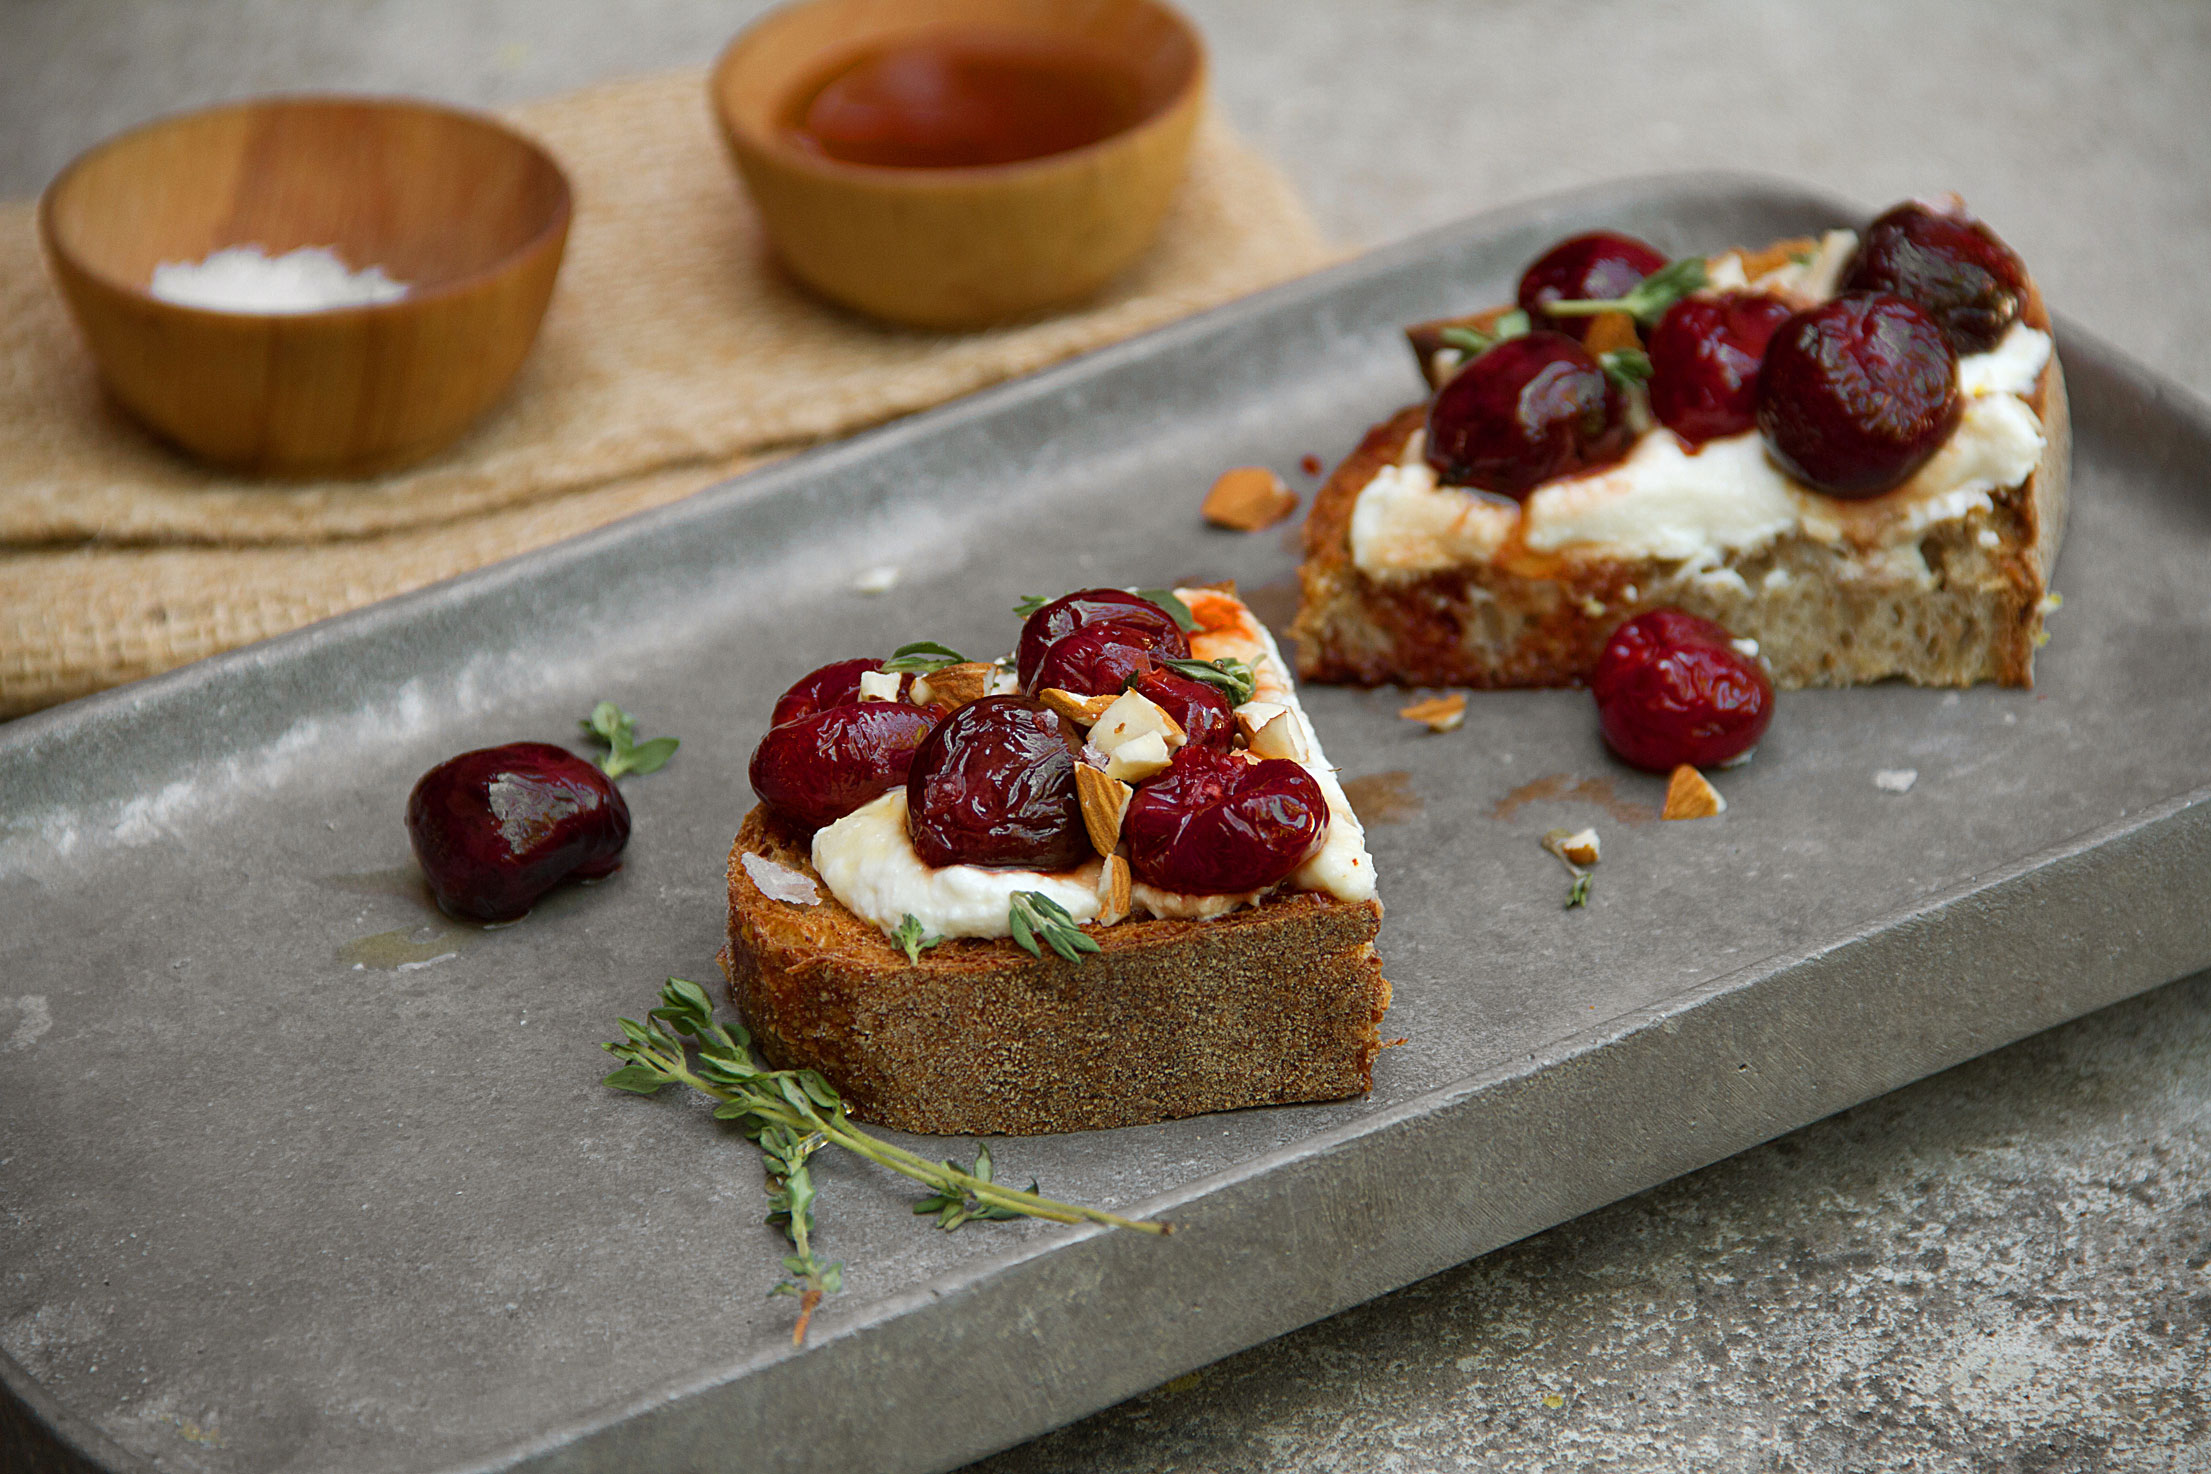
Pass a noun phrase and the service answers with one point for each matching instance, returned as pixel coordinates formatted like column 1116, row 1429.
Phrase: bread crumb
column 780, row 882
column 877, row 580
column 1438, row 714
column 1689, row 796
column 1896, row 780
column 1248, row 499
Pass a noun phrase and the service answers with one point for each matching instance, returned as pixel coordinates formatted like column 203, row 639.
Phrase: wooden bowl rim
column 898, row 176
column 552, row 234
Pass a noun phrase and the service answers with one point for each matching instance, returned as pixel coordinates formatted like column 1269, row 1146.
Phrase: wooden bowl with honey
column 304, row 286
column 958, row 163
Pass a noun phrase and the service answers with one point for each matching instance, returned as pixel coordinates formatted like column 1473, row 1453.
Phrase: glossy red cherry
column 819, row 768
column 1857, row 393
column 832, row 685
column 995, row 785
column 1216, row 824
column 1063, row 616
column 1102, row 658
column 1206, row 717
column 1705, row 354
column 1970, row 282
column 1598, row 267
column 1671, row 689
column 1529, row 409
column 496, row 828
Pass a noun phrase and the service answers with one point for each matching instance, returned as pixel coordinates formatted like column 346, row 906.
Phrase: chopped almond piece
column 1609, row 332
column 1757, row 263
column 879, row 685
column 1083, row 711
column 955, row 685
column 1133, row 715
column 1280, row 737
column 1576, row 849
column 1248, row 499
column 1138, row 758
column 1438, row 714
column 1689, row 796
column 1103, row 802
column 1113, row 891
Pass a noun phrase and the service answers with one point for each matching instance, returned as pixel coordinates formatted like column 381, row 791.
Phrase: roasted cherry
column 1206, row 717
column 1671, row 689
column 1598, row 267
column 995, row 785
column 1099, row 658
column 832, row 685
column 1857, row 393
column 1070, row 612
column 1217, row 824
column 1705, row 354
column 1949, row 263
column 1529, row 409
column 496, row 828
column 819, row 768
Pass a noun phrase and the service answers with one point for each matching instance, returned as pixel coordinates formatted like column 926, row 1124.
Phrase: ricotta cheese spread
column 1697, row 506
column 867, row 859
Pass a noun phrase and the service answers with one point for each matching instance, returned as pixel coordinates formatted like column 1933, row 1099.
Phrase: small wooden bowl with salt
column 309, row 286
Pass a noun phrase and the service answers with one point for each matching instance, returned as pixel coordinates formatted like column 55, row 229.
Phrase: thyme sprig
column 792, row 1114
column 1034, row 916
column 625, row 754
column 955, row 1208
column 1234, row 678
column 1648, row 300
column 914, row 937
column 1473, row 342
column 923, row 657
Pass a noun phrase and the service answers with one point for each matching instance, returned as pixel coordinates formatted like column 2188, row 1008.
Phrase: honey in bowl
column 967, row 99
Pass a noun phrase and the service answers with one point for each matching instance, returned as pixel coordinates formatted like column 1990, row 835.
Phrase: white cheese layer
column 868, row 862
column 1668, row 502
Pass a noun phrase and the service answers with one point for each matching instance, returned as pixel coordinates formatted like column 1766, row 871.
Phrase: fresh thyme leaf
column 1473, row 342
column 1166, row 599
column 1233, row 677
column 923, row 657
column 1034, row 915
column 1648, row 300
column 1030, row 603
column 955, row 1208
column 625, row 754
column 1626, row 367
column 913, row 937
column 636, row 1079
column 1579, row 895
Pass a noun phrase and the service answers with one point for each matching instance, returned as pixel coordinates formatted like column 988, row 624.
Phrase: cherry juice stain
column 1383, row 798
column 1566, row 788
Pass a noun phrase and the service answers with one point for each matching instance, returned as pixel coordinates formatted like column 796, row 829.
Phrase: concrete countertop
column 2007, row 1267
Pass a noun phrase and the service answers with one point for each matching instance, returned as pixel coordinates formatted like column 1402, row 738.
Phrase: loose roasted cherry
column 1949, row 263
column 832, row 685
column 1215, row 824
column 1705, row 354
column 1527, row 410
column 1598, row 267
column 1671, row 689
column 1070, row 612
column 819, row 768
column 1100, row 658
column 1206, row 717
column 1857, row 393
column 496, row 828
column 995, row 785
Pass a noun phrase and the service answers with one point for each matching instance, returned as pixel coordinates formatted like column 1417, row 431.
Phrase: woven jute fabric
column 675, row 354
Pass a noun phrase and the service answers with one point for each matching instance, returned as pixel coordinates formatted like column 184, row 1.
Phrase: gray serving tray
column 296, row 1177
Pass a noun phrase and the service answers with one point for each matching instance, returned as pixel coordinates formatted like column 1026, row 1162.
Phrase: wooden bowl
column 471, row 216
column 959, row 247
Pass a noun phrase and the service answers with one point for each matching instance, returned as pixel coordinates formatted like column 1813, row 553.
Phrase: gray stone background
column 2005, row 1268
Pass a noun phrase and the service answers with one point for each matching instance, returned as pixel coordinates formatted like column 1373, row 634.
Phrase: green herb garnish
column 1030, row 603
column 1473, row 342
column 1035, row 915
column 1626, row 367
column 1232, row 676
column 1651, row 296
column 923, row 657
column 625, row 754
column 955, row 1208
column 791, row 1114
column 1578, row 895
column 1176, row 609
column 913, row 937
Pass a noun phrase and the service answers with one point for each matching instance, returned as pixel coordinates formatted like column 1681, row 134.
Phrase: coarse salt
column 248, row 279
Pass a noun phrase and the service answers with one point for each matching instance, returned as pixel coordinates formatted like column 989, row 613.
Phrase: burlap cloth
column 674, row 355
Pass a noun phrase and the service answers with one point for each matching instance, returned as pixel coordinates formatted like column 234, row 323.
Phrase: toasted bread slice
column 1826, row 611
column 1273, row 1004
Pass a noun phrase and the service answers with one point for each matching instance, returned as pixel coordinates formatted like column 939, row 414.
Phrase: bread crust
column 1834, row 618
column 1274, row 1004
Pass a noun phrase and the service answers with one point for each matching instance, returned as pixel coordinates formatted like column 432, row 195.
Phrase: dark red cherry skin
column 819, row 768
column 1070, row 612
column 1204, row 713
column 1970, row 282
column 995, row 785
column 497, row 828
column 1102, row 658
column 1705, row 354
column 1528, row 410
column 1857, row 393
column 832, row 685
column 1597, row 267
column 1217, row 824
column 1670, row 690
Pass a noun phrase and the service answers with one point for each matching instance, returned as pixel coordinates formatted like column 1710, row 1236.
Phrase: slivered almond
column 955, row 685
column 1689, row 796
column 1083, row 711
column 1437, row 714
column 1113, row 891
column 1103, row 802
column 1248, row 499
column 1609, row 332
